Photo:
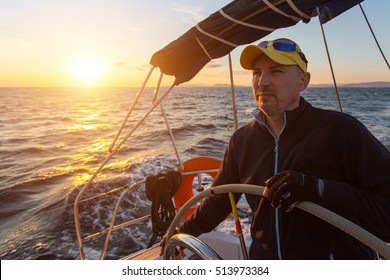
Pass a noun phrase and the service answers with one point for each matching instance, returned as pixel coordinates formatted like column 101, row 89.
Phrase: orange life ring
column 185, row 191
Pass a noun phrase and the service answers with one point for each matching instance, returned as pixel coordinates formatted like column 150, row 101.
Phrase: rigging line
column 233, row 94
column 157, row 89
column 329, row 60
column 255, row 13
column 373, row 34
column 242, row 22
column 245, row 23
column 298, row 11
column 280, row 11
column 166, row 120
column 203, row 48
column 171, row 135
column 132, row 108
column 215, row 37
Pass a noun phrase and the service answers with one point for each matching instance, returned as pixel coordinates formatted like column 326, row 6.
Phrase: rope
column 159, row 190
column 373, row 34
column 280, row 11
column 235, row 118
column 245, row 23
column 215, row 37
column 330, row 61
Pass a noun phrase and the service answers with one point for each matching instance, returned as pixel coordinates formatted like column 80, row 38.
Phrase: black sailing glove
column 287, row 188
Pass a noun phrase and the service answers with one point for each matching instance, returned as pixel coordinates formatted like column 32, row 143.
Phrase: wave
column 193, row 128
column 11, row 152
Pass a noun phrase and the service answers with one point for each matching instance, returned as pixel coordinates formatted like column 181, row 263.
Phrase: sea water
column 53, row 139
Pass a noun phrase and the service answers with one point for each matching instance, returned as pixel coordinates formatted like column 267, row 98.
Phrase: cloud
column 136, row 29
column 125, row 65
column 120, row 64
column 141, row 67
column 188, row 14
column 214, row 64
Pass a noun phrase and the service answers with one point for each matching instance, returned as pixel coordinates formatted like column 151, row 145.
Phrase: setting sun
column 88, row 72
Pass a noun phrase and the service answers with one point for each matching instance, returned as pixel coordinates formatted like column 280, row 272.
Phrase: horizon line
column 360, row 84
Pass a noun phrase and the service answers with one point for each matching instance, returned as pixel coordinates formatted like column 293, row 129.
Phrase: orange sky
column 109, row 43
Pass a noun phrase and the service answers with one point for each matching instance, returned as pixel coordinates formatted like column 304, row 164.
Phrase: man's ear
column 305, row 80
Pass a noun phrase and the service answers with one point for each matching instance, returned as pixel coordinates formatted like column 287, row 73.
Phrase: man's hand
column 162, row 244
column 163, row 241
column 287, row 188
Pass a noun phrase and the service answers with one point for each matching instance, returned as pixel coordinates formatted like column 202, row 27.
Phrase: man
column 300, row 153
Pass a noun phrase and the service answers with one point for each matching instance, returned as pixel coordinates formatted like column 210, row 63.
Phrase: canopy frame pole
column 373, row 35
column 100, row 168
column 329, row 60
column 132, row 107
column 233, row 94
column 166, row 121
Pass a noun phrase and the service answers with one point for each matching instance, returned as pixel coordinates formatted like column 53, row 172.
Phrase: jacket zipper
column 276, row 150
column 276, row 209
column 276, row 167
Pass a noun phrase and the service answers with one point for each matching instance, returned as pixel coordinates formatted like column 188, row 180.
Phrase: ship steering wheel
column 198, row 247
column 378, row 245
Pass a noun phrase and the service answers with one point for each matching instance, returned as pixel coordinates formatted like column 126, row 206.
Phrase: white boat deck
column 227, row 246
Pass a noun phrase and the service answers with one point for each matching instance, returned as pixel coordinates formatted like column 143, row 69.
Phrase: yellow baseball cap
column 282, row 51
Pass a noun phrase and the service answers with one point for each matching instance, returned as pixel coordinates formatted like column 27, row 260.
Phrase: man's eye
column 256, row 73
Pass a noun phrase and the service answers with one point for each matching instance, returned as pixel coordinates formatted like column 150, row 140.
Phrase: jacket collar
column 290, row 116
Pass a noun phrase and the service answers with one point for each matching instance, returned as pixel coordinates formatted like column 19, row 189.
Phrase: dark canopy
column 219, row 34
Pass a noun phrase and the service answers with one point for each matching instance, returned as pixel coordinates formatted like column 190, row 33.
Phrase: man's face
column 276, row 87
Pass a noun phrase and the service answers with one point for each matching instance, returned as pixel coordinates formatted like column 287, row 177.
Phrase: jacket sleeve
column 214, row 209
column 364, row 196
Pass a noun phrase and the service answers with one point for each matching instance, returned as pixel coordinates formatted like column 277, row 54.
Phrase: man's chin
column 265, row 107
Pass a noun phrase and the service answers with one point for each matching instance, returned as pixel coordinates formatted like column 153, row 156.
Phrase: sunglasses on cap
column 284, row 45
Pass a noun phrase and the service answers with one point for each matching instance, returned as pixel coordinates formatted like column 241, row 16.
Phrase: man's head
column 279, row 75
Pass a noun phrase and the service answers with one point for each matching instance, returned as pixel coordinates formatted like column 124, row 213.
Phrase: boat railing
column 117, row 206
column 120, row 226
column 112, row 227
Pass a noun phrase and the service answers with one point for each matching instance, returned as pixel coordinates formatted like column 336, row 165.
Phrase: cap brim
column 249, row 55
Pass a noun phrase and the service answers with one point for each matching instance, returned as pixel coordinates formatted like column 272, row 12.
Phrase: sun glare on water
column 88, row 72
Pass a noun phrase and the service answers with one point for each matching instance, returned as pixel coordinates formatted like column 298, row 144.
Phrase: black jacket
column 330, row 145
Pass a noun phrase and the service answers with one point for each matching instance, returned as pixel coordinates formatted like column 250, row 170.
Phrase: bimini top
column 238, row 23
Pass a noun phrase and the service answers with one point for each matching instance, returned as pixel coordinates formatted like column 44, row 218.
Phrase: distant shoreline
column 379, row 84
column 360, row 85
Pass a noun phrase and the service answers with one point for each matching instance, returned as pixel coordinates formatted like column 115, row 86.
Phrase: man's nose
column 263, row 80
